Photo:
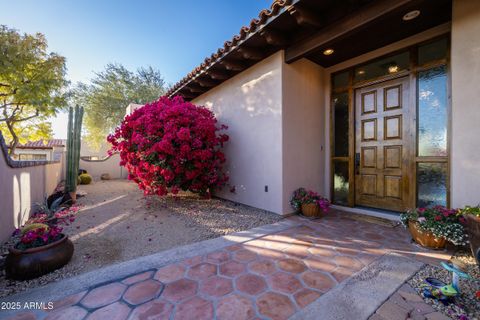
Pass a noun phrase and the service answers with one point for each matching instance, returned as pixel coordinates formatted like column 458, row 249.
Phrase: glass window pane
column 340, row 80
column 431, row 184
column 432, row 112
column 340, row 183
column 382, row 67
column 340, row 114
column 432, row 51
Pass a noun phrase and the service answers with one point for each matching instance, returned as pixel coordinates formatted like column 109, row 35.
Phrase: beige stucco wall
column 47, row 152
column 97, row 168
column 110, row 166
column 303, row 129
column 465, row 68
column 251, row 105
column 20, row 189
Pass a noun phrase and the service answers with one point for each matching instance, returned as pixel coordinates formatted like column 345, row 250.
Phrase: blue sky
column 173, row 36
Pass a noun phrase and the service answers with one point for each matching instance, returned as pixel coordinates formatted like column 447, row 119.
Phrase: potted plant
column 432, row 227
column 40, row 246
column 472, row 224
column 310, row 203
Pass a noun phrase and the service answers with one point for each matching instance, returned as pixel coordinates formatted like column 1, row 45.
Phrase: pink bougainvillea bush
column 171, row 145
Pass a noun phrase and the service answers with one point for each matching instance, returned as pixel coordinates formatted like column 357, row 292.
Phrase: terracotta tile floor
column 271, row 277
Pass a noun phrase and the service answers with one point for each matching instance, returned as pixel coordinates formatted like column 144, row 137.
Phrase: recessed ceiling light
column 411, row 15
column 361, row 72
column 393, row 69
column 328, row 52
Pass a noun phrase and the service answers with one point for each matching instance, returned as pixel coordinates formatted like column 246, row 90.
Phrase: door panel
column 383, row 142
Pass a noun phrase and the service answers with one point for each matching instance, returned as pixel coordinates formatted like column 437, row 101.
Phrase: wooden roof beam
column 233, row 65
column 304, row 17
column 206, row 83
column 343, row 27
column 250, row 53
column 218, row 75
column 187, row 95
column 195, row 89
column 274, row 37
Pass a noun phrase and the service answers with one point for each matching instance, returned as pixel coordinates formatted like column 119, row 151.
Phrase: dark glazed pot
column 473, row 229
column 35, row 262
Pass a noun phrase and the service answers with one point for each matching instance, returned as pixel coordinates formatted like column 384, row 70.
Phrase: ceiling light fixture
column 393, row 69
column 411, row 15
column 328, row 52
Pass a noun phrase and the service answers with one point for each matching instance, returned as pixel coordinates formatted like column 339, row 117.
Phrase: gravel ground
column 117, row 223
column 466, row 306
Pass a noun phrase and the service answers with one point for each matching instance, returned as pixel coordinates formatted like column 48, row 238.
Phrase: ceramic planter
column 425, row 238
column 311, row 210
column 473, row 229
column 35, row 262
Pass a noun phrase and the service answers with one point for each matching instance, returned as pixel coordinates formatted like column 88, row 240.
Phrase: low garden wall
column 110, row 165
column 22, row 184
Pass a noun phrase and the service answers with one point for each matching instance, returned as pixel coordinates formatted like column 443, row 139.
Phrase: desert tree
column 32, row 85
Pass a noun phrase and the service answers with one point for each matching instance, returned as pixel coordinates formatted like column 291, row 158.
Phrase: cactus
column 33, row 226
column 73, row 149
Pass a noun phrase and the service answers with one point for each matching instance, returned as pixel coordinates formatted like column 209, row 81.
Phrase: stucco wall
column 109, row 165
column 251, row 105
column 303, row 129
column 465, row 66
column 20, row 189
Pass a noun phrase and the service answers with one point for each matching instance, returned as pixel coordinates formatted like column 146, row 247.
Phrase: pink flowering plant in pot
column 171, row 145
column 302, row 198
column 39, row 246
column 441, row 222
column 44, row 227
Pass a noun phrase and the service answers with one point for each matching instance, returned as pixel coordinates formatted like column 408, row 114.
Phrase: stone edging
column 23, row 163
column 361, row 295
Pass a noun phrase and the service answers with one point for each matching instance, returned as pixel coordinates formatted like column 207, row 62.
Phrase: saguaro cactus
column 75, row 117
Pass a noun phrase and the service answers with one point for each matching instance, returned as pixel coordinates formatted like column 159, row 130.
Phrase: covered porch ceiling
column 306, row 28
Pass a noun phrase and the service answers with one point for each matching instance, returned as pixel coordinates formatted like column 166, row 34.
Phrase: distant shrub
column 85, row 178
column 171, row 145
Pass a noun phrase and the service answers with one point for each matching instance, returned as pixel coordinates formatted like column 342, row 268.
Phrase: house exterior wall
column 251, row 105
column 303, row 128
column 287, row 106
column 465, row 69
column 21, row 187
column 47, row 152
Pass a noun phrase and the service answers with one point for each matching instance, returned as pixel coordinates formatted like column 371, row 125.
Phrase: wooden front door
column 383, row 145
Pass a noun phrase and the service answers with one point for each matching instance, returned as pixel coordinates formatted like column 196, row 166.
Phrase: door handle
column 357, row 163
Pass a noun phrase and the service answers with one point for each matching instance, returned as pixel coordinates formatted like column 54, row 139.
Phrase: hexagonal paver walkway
column 270, row 277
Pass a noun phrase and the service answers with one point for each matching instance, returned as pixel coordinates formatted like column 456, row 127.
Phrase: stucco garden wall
column 109, row 165
column 251, row 105
column 465, row 62
column 303, row 129
column 106, row 164
column 22, row 184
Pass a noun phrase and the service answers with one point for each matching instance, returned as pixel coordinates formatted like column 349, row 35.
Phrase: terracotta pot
column 473, row 229
column 425, row 238
column 73, row 197
column 35, row 262
column 311, row 210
